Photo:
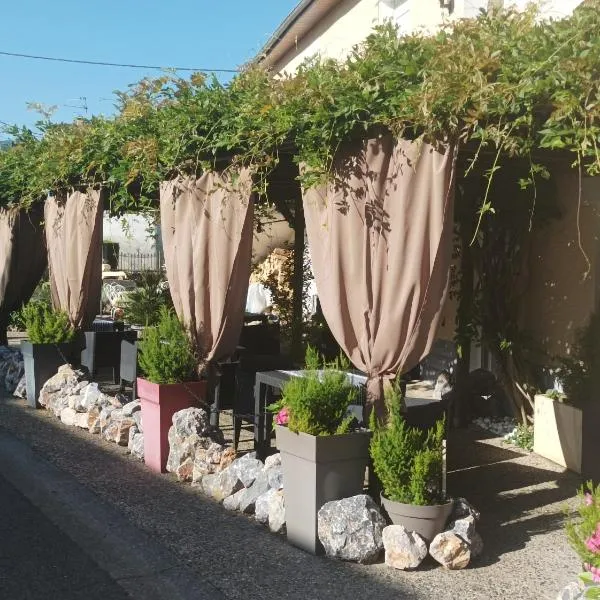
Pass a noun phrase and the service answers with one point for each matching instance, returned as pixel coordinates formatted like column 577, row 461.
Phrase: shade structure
column 22, row 259
column 206, row 225
column 74, row 241
column 380, row 237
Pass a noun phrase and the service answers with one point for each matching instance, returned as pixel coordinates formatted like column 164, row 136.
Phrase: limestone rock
column 90, row 396
column 351, row 529
column 465, row 529
column 93, row 420
column 132, row 431
column 106, row 416
column 185, row 469
column 270, row 510
column 403, row 549
column 67, row 416
column 450, row 550
column 224, row 484
column 570, row 592
column 180, row 450
column 57, row 403
column 21, row 389
column 122, row 434
column 137, row 417
column 137, row 446
column 247, row 468
column 462, row 508
column 207, row 459
column 251, row 494
column 275, row 477
column 274, row 460
column 81, row 420
column 131, row 407
column 208, row 484
column 192, row 421
column 233, row 502
column 14, row 372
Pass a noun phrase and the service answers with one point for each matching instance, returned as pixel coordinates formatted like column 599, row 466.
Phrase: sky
column 203, row 34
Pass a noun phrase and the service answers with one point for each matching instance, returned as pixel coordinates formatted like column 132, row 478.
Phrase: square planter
column 316, row 470
column 41, row 362
column 558, row 432
column 159, row 403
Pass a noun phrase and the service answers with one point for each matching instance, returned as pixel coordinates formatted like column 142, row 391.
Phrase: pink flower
column 593, row 544
column 589, row 499
column 595, row 571
column 282, row 417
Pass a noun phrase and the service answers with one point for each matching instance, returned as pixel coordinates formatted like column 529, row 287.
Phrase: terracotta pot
column 316, row 470
column 160, row 402
column 427, row 521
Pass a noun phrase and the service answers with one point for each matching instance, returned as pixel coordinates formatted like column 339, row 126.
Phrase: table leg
column 260, row 439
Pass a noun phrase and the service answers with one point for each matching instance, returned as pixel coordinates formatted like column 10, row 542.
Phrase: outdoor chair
column 128, row 366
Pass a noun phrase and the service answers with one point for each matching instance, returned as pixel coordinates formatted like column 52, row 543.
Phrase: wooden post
column 298, row 280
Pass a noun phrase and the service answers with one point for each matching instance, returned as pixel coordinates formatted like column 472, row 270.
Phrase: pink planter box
column 159, row 403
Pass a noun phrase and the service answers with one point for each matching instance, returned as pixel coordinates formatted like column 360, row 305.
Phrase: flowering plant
column 584, row 536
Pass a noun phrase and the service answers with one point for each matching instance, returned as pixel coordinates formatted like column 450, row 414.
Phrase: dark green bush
column 408, row 461
column 318, row 402
column 45, row 325
column 166, row 352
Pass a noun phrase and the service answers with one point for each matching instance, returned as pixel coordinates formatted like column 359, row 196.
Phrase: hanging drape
column 380, row 237
column 22, row 259
column 74, row 241
column 206, row 226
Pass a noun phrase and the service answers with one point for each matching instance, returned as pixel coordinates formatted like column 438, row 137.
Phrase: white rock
column 403, row 549
column 450, row 550
column 67, row 416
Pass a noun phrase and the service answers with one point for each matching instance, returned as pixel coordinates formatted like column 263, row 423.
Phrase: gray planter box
column 316, row 470
column 41, row 362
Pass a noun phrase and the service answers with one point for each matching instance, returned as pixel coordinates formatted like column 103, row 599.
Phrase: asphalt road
column 39, row 562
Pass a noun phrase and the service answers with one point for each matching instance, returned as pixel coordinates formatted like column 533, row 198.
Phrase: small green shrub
column 318, row 403
column 45, row 325
column 408, row 461
column 166, row 352
column 522, row 437
column 143, row 305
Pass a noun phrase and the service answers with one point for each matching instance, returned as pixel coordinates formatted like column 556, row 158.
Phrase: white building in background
column 331, row 28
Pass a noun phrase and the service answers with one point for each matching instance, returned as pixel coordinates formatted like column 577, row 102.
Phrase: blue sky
column 194, row 33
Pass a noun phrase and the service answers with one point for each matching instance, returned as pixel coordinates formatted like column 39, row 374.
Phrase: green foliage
column 318, row 402
column 503, row 82
column 166, row 352
column 45, row 325
column 522, row 437
column 578, row 372
column 583, row 533
column 408, row 461
column 143, row 305
column 41, row 295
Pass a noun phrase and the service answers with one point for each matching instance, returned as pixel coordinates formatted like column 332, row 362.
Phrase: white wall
column 134, row 236
column 353, row 20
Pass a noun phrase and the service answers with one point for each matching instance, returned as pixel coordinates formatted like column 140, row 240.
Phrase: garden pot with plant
column 323, row 457
column 170, row 383
column 566, row 423
column 409, row 463
column 51, row 343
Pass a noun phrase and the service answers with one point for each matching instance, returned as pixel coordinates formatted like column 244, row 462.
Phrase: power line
column 109, row 64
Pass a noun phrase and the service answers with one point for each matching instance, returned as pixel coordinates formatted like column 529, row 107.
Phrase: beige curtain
column 74, row 241
column 22, row 259
column 380, row 238
column 206, row 226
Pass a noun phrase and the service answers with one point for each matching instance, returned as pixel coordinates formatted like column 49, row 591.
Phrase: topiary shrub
column 166, row 352
column 45, row 325
column 407, row 460
column 318, row 403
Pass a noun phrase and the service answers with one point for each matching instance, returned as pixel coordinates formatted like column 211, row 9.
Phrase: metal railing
column 139, row 261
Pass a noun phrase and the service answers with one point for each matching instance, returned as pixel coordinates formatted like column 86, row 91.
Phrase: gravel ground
column 521, row 496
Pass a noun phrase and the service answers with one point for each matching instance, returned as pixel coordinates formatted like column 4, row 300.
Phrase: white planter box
column 557, row 432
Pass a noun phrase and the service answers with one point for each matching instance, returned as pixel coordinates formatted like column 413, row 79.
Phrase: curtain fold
column 206, row 225
column 22, row 259
column 380, row 237
column 74, row 241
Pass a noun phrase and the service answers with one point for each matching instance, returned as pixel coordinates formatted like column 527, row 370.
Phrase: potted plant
column 50, row 345
column 324, row 457
column 584, row 536
column 170, row 383
column 409, row 463
column 566, row 421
